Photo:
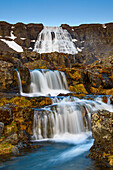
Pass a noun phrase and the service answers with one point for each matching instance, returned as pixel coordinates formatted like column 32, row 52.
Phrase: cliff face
column 92, row 39
column 24, row 35
column 94, row 43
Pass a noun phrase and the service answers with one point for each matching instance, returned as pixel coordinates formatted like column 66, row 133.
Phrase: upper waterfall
column 55, row 39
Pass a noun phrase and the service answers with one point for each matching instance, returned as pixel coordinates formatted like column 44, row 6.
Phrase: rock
column 25, row 79
column 5, row 115
column 1, row 127
column 12, row 139
column 24, row 34
column 105, row 99
column 14, row 150
column 94, row 39
column 6, row 75
column 102, row 131
column 111, row 99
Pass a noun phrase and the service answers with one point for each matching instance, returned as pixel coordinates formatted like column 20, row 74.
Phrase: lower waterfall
column 70, row 116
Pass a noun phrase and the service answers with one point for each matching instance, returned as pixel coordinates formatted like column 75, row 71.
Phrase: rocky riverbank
column 102, row 131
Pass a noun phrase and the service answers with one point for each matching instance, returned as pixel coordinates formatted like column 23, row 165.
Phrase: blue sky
column 56, row 12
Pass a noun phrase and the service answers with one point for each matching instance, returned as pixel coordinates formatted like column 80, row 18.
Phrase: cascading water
column 45, row 83
column 53, row 39
column 71, row 116
column 48, row 82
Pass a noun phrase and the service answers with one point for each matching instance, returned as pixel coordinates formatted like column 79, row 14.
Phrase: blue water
column 54, row 155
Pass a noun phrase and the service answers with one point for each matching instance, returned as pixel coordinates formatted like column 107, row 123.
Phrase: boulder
column 102, row 131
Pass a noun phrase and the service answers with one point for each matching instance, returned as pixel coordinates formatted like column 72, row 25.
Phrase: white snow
column 79, row 49
column 32, row 40
column 30, row 48
column 13, row 45
column 81, row 41
column 12, row 36
column 82, row 48
column 22, row 38
column 104, row 26
column 74, row 40
column 12, row 27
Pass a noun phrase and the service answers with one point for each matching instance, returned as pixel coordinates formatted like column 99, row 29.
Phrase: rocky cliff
column 21, row 34
column 93, row 40
column 89, row 71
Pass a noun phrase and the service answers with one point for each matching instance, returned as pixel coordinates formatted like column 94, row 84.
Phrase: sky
column 56, row 12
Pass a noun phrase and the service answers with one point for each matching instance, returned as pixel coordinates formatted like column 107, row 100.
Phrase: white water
column 53, row 39
column 69, row 120
column 45, row 83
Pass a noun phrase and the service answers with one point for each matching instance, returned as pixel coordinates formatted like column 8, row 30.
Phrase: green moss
column 5, row 148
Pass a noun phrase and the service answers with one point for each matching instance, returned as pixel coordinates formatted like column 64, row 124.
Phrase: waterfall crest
column 55, row 39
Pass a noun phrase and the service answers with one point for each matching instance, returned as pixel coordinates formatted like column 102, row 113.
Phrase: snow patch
column 32, row 40
column 12, row 27
column 82, row 48
column 81, row 41
column 79, row 49
column 13, row 45
column 104, row 26
column 30, row 48
column 12, row 36
column 22, row 38
column 74, row 40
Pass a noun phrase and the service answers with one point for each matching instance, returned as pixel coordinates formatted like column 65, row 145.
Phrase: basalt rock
column 1, row 127
column 111, row 99
column 25, row 34
column 93, row 39
column 6, row 75
column 102, row 131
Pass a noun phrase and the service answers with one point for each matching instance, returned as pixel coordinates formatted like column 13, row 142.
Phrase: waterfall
column 69, row 116
column 47, row 82
column 19, row 82
column 53, row 39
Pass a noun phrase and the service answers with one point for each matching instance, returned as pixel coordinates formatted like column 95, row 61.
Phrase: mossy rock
column 5, row 148
column 78, row 88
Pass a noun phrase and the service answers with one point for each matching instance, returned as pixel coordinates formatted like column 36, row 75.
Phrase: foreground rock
column 102, row 131
column 16, row 122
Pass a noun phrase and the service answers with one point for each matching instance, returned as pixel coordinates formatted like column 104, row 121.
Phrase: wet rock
column 102, row 131
column 111, row 99
column 105, row 99
column 1, row 127
column 14, row 150
column 25, row 79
